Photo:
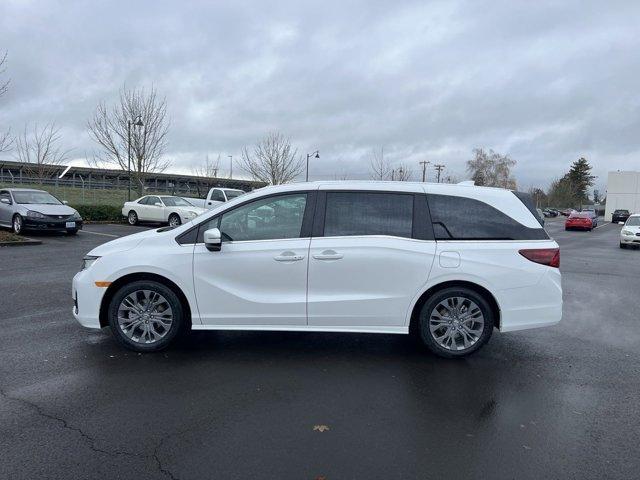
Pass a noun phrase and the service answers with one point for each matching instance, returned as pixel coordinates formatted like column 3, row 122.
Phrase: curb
column 23, row 243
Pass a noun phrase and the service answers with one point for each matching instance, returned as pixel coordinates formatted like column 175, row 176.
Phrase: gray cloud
column 546, row 82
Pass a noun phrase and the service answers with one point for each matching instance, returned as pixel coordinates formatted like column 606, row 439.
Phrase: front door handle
column 288, row 256
column 328, row 255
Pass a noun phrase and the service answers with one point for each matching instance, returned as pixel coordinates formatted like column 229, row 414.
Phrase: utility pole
column 393, row 174
column 230, row 166
column 424, row 164
column 439, row 168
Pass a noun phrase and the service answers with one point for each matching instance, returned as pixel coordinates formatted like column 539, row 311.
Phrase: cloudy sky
column 545, row 82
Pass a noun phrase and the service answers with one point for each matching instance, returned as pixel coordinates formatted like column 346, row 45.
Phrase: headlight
column 87, row 261
column 627, row 232
column 76, row 216
column 34, row 214
column 192, row 214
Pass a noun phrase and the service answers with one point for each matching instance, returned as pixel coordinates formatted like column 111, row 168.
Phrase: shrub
column 99, row 213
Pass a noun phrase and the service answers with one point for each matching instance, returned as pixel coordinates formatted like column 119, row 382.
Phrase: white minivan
column 447, row 262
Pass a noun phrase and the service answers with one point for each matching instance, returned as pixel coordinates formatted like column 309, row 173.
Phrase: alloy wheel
column 145, row 316
column 17, row 224
column 133, row 218
column 174, row 221
column 456, row 323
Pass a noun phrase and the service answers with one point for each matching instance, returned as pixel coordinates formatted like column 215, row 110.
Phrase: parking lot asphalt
column 561, row 402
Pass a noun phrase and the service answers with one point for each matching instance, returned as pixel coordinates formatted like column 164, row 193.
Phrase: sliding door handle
column 328, row 255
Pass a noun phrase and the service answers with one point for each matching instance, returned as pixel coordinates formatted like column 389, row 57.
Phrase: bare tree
column 39, row 148
column 209, row 169
column 206, row 173
column 109, row 128
column 5, row 136
column 380, row 167
column 491, row 169
column 402, row 173
column 272, row 160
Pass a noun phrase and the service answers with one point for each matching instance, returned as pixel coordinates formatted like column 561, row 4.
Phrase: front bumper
column 51, row 224
column 630, row 239
column 87, row 298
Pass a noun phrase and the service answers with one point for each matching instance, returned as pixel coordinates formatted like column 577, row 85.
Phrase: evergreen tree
column 580, row 179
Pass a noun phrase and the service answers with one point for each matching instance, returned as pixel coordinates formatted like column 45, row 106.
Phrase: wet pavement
column 560, row 402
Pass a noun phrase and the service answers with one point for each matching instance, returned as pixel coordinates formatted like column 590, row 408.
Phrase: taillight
column 544, row 256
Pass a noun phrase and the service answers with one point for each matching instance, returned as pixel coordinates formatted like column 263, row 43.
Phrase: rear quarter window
column 462, row 218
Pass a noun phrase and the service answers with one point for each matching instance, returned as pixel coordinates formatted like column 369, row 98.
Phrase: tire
column 132, row 218
column 72, row 232
column 174, row 220
column 17, row 224
column 434, row 324
column 622, row 245
column 139, row 336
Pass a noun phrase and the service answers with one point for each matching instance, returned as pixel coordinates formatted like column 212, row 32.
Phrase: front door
column 6, row 210
column 259, row 277
column 369, row 262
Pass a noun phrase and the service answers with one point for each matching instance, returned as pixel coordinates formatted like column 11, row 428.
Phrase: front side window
column 153, row 200
column 265, row 219
column 217, row 196
column 144, row 201
column 461, row 218
column 368, row 213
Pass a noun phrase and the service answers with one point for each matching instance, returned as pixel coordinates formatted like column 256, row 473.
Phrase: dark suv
column 620, row 216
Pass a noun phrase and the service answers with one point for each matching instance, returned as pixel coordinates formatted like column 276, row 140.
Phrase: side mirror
column 158, row 204
column 213, row 239
column 65, row 202
column 5, row 201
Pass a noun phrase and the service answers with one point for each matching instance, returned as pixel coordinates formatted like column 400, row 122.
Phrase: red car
column 579, row 220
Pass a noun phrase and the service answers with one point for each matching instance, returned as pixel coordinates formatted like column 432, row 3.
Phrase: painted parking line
column 603, row 225
column 98, row 233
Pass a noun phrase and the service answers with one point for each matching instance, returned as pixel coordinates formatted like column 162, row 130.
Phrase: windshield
column 633, row 222
column 35, row 196
column 233, row 193
column 176, row 202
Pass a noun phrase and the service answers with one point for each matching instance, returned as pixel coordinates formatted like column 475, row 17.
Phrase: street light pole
column 315, row 154
column 230, row 166
column 129, row 158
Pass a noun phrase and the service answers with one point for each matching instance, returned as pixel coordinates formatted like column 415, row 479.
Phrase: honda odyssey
column 448, row 263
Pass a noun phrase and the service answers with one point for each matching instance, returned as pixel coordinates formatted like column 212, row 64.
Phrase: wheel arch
column 132, row 277
column 479, row 289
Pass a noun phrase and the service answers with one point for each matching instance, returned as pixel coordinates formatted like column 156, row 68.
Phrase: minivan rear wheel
column 456, row 322
column 145, row 316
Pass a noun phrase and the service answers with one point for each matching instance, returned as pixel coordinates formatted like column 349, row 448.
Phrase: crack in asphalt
column 91, row 441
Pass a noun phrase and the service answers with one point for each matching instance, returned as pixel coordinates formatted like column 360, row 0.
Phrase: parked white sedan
column 156, row 208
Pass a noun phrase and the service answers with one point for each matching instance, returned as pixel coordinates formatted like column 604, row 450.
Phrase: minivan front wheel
column 456, row 322
column 145, row 316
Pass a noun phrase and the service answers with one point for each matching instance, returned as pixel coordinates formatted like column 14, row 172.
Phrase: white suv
column 448, row 262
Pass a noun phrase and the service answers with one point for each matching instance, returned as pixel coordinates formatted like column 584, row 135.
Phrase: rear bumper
column 532, row 307
column 87, row 299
